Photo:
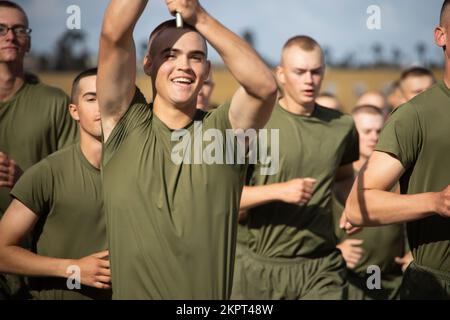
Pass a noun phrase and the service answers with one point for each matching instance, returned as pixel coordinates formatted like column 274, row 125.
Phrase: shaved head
column 304, row 43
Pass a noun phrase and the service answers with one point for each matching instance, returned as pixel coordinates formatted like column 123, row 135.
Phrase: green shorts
column 13, row 287
column 422, row 283
column 261, row 278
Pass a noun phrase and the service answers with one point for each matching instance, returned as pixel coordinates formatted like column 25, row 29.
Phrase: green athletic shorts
column 421, row 283
column 261, row 278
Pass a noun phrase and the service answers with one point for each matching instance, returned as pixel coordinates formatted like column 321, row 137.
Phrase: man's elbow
column 264, row 89
column 269, row 90
column 352, row 212
column 112, row 35
column 3, row 259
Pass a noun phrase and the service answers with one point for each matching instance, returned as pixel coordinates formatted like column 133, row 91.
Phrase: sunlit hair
column 304, row 43
column 367, row 109
column 417, row 72
column 170, row 24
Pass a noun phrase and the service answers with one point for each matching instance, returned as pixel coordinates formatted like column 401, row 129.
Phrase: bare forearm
column 16, row 260
column 376, row 207
column 243, row 62
column 258, row 195
column 120, row 18
column 117, row 61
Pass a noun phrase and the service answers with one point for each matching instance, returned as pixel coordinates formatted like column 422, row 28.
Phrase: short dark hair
column 76, row 82
column 367, row 108
column 13, row 5
column 444, row 12
column 170, row 24
column 417, row 72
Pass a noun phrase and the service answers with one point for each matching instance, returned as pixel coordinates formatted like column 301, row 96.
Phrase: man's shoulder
column 43, row 91
column 423, row 102
column 217, row 117
column 335, row 117
column 61, row 157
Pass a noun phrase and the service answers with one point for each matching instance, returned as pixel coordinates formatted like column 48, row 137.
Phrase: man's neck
column 174, row 118
column 11, row 80
column 293, row 107
column 91, row 147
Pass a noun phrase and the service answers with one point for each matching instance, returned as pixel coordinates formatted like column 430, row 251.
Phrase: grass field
column 345, row 83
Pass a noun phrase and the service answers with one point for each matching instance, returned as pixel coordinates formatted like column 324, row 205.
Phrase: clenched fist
column 442, row 202
column 297, row 191
column 189, row 9
column 10, row 171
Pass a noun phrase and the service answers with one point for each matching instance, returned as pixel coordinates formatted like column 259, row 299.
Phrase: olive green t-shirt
column 34, row 123
column 64, row 190
column 171, row 226
column 314, row 147
column 381, row 245
column 418, row 135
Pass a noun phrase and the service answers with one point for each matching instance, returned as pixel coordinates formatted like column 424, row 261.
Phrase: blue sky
column 337, row 24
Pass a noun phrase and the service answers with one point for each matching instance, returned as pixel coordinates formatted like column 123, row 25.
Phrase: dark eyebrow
column 89, row 94
column 312, row 70
column 13, row 26
column 197, row 52
column 167, row 50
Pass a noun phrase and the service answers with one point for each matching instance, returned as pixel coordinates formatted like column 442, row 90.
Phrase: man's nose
column 10, row 35
column 183, row 62
column 309, row 77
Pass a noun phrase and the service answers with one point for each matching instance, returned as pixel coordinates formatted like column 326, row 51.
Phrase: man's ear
column 207, row 70
column 147, row 64
column 440, row 37
column 281, row 77
column 73, row 110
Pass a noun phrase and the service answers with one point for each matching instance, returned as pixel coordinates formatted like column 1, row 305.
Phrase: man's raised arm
column 117, row 61
column 252, row 104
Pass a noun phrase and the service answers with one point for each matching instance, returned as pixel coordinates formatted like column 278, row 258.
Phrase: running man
column 172, row 226
column 59, row 201
column 370, row 246
column 414, row 150
column 291, row 248
column 34, row 120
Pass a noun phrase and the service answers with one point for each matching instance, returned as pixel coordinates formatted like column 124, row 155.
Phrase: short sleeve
column 351, row 151
column 35, row 188
column 137, row 114
column 402, row 135
column 219, row 118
